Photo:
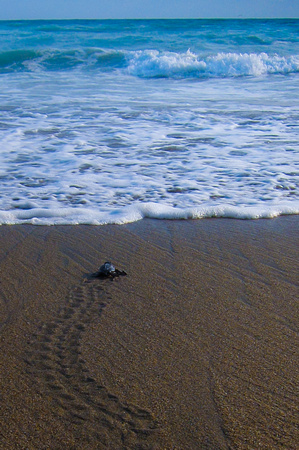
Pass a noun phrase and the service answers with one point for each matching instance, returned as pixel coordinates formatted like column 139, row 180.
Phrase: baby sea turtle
column 109, row 270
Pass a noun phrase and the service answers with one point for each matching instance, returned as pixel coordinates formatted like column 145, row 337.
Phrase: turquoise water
column 113, row 121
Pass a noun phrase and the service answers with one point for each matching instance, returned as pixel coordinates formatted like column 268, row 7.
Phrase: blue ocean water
column 113, row 121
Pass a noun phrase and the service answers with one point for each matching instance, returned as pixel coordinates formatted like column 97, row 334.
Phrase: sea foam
column 133, row 213
column 115, row 121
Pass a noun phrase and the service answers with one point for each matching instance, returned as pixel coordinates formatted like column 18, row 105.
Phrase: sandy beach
column 196, row 348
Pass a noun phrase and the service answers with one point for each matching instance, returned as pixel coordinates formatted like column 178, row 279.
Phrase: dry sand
column 196, row 348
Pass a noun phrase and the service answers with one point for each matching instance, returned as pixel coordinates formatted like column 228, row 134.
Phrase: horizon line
column 152, row 18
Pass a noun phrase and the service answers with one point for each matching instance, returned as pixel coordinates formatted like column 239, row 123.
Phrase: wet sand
column 196, row 348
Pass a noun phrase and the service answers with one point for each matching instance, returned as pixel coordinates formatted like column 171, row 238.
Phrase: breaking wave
column 156, row 64
column 150, row 63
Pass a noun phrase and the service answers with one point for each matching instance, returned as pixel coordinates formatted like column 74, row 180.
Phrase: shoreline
column 194, row 348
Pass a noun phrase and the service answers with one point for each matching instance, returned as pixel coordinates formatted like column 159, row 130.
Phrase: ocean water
column 113, row 121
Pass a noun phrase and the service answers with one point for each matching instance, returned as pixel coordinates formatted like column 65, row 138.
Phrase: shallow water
column 112, row 121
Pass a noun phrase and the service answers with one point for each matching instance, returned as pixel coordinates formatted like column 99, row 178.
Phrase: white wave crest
column 152, row 63
column 133, row 213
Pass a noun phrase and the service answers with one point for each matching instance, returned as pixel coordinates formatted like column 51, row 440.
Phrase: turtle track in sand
column 61, row 374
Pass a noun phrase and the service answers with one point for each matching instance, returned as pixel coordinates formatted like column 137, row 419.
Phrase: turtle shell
column 107, row 268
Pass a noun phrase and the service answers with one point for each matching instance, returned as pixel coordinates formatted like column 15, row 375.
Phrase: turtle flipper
column 120, row 272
